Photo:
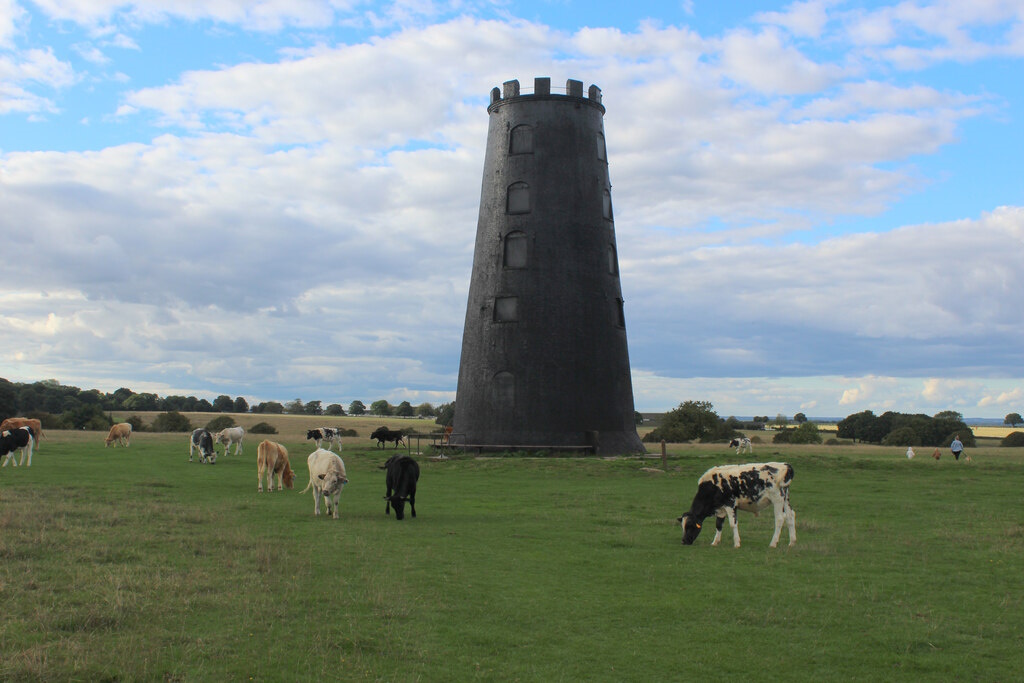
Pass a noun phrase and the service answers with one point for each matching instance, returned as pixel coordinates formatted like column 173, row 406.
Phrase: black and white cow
column 202, row 441
column 20, row 439
column 721, row 491
column 403, row 473
column 741, row 444
column 322, row 434
column 384, row 435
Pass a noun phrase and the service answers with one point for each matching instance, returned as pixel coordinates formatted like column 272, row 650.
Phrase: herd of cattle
column 721, row 491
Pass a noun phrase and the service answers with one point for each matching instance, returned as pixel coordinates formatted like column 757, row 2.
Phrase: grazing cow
column 231, row 435
column 272, row 458
column 121, row 433
column 13, row 440
column 328, row 434
column 327, row 477
column 723, row 490
column 741, row 444
column 16, row 422
column 202, row 441
column 383, row 435
column 403, row 473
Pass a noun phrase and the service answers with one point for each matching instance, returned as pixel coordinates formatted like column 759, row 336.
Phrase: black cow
column 202, row 441
column 383, row 435
column 13, row 440
column 403, row 473
column 328, row 434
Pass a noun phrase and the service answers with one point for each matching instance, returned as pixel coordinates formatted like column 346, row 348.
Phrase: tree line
column 68, row 407
column 698, row 421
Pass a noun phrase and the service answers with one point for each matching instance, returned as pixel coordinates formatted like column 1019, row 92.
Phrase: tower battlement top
column 510, row 90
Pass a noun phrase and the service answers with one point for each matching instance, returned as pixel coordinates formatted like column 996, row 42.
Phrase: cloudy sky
column 819, row 205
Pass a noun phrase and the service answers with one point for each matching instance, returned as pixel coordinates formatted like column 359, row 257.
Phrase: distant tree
column 903, row 436
column 334, row 409
column 137, row 424
column 691, row 420
column 171, row 421
column 381, row 407
column 294, row 407
column 1013, row 419
column 763, row 419
column 445, row 414
column 856, row 426
column 142, row 402
column 425, row 410
column 203, row 406
column 89, row 416
column 638, row 417
column 223, row 404
column 781, row 421
column 263, row 428
column 8, row 399
column 120, row 396
column 404, row 409
column 1013, row 440
column 220, row 422
column 356, row 408
column 269, row 407
column 313, row 408
column 241, row 405
column 949, row 415
column 800, row 418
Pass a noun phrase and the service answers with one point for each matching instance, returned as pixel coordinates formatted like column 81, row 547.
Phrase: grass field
column 136, row 565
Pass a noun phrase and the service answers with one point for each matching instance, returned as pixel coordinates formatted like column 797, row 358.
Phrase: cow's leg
column 412, row 503
column 8, row 457
column 779, row 507
column 790, row 519
column 334, row 500
column 719, row 521
column 735, row 528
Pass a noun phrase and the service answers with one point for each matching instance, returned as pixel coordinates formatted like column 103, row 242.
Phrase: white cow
column 231, row 435
column 327, row 477
column 723, row 490
column 741, row 444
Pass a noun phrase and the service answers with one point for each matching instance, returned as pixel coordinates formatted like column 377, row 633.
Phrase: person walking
column 910, row 452
column 957, row 447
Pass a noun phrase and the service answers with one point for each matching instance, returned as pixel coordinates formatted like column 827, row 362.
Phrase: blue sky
column 819, row 206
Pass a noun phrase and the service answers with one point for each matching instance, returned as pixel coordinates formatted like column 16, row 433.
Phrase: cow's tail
column 309, row 484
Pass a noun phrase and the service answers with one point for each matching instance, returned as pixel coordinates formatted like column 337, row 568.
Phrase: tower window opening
column 602, row 152
column 613, row 260
column 607, row 205
column 620, row 313
column 514, row 255
column 521, row 140
column 518, row 198
column 506, row 309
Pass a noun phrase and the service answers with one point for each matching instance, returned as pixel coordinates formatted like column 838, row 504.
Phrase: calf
column 231, row 435
column 272, row 458
column 121, row 433
column 384, row 435
column 403, row 473
column 328, row 434
column 16, row 439
column 16, row 422
column 202, row 441
column 327, row 477
column 723, row 490
column 741, row 444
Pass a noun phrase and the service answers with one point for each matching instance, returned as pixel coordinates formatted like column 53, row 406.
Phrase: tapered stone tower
column 544, row 354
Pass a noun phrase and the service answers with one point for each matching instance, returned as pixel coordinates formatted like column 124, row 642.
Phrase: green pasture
column 136, row 565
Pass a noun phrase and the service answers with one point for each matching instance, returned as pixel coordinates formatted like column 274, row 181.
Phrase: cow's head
column 398, row 503
column 288, row 477
column 311, row 434
column 332, row 482
column 691, row 528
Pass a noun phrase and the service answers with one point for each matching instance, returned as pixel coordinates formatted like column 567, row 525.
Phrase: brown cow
column 121, row 433
column 16, row 422
column 272, row 458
